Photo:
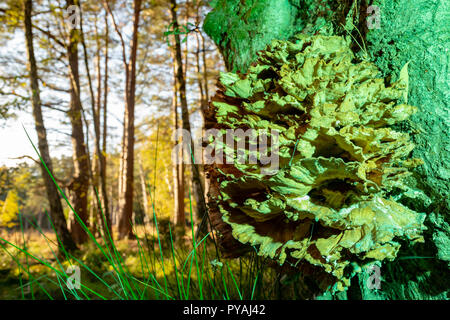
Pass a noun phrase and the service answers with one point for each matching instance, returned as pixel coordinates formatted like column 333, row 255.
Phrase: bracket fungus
column 326, row 211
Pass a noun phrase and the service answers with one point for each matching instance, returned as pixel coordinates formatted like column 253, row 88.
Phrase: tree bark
column 56, row 210
column 80, row 183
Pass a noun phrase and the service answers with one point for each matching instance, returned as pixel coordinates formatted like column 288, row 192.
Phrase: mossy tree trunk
column 414, row 32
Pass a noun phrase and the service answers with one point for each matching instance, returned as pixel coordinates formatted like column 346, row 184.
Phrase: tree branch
column 26, row 157
column 50, row 35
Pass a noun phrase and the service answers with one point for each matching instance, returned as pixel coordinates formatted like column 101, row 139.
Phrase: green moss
column 253, row 24
column 419, row 32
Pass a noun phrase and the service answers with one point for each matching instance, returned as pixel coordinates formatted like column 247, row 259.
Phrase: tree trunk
column 178, row 170
column 409, row 32
column 205, row 69
column 121, row 175
column 181, row 87
column 94, row 164
column 106, row 220
column 101, row 213
column 126, row 200
column 56, row 210
column 80, row 184
column 143, row 188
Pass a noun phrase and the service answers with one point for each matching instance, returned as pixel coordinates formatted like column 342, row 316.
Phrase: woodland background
column 129, row 71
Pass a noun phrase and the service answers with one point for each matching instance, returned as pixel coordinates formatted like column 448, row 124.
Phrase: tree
column 103, row 171
column 80, row 181
column 99, row 158
column 178, row 169
column 56, row 211
column 102, row 153
column 242, row 29
column 181, row 88
column 127, row 162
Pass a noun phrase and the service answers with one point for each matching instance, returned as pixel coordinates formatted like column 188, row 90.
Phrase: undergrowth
column 35, row 265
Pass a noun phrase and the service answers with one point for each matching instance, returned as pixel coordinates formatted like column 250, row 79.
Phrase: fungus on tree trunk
column 327, row 210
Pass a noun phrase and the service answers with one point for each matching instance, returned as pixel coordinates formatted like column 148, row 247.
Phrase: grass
column 153, row 266
column 150, row 267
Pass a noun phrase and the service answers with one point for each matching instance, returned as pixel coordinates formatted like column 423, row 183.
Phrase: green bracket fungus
column 328, row 207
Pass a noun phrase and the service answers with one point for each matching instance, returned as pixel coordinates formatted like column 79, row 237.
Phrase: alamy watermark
column 74, row 278
column 374, row 280
column 230, row 147
column 72, row 16
column 374, row 18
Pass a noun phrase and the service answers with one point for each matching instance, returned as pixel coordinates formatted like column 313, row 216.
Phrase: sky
column 13, row 139
column 14, row 142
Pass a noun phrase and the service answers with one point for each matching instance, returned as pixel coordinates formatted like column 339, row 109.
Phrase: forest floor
column 151, row 267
